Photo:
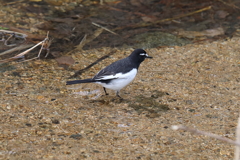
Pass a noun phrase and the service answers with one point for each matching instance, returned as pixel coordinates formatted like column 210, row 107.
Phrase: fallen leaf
column 65, row 61
column 221, row 14
column 214, row 32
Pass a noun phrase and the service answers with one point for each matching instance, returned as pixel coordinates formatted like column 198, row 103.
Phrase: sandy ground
column 194, row 85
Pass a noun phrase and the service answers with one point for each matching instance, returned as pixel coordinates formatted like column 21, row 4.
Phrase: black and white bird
column 118, row 74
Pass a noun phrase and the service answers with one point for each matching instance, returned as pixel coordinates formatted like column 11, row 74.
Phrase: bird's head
column 139, row 55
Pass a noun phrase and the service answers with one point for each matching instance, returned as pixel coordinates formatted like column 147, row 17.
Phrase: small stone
column 76, row 136
column 55, row 121
column 28, row 124
column 189, row 102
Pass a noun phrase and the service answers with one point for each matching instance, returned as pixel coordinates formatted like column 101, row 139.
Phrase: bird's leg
column 117, row 94
column 105, row 91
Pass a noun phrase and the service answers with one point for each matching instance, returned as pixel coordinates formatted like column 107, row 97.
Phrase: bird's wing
column 114, row 71
column 110, row 75
column 106, row 75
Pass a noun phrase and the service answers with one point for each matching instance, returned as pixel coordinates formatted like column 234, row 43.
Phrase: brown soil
column 194, row 85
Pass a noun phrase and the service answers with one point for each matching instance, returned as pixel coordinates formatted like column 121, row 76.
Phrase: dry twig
column 8, row 35
column 89, row 39
column 163, row 20
column 86, row 39
column 104, row 28
column 229, row 4
column 21, row 47
column 79, row 72
column 12, row 32
column 196, row 131
column 237, row 148
column 43, row 44
column 10, row 3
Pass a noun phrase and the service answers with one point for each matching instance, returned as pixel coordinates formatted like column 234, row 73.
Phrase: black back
column 124, row 65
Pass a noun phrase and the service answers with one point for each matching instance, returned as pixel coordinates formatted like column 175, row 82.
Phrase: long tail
column 80, row 81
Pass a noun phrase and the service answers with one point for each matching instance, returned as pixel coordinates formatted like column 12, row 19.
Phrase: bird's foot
column 119, row 98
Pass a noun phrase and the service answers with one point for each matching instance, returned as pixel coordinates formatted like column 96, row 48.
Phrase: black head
column 139, row 55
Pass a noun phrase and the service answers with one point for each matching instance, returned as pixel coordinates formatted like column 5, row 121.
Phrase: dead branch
column 163, row 20
column 8, row 35
column 79, row 72
column 237, row 148
column 90, row 38
column 86, row 39
column 21, row 47
column 42, row 43
column 104, row 28
column 196, row 131
column 16, row 33
column 229, row 4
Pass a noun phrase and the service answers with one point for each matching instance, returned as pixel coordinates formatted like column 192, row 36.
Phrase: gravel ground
column 195, row 85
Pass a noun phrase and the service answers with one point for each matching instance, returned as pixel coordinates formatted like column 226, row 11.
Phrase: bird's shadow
column 106, row 99
column 150, row 106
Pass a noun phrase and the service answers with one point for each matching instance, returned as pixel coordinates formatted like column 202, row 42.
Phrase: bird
column 118, row 74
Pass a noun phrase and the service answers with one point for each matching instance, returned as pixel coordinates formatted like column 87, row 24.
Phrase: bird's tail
column 80, row 81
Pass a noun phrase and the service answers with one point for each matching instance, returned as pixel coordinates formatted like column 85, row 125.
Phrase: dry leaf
column 65, row 61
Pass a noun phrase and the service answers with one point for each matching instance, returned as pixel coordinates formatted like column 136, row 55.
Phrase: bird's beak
column 147, row 56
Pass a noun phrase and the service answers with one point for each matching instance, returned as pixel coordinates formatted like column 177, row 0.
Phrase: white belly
column 121, row 80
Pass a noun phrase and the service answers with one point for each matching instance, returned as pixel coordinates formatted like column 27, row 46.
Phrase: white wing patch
column 109, row 77
column 119, row 80
column 132, row 73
